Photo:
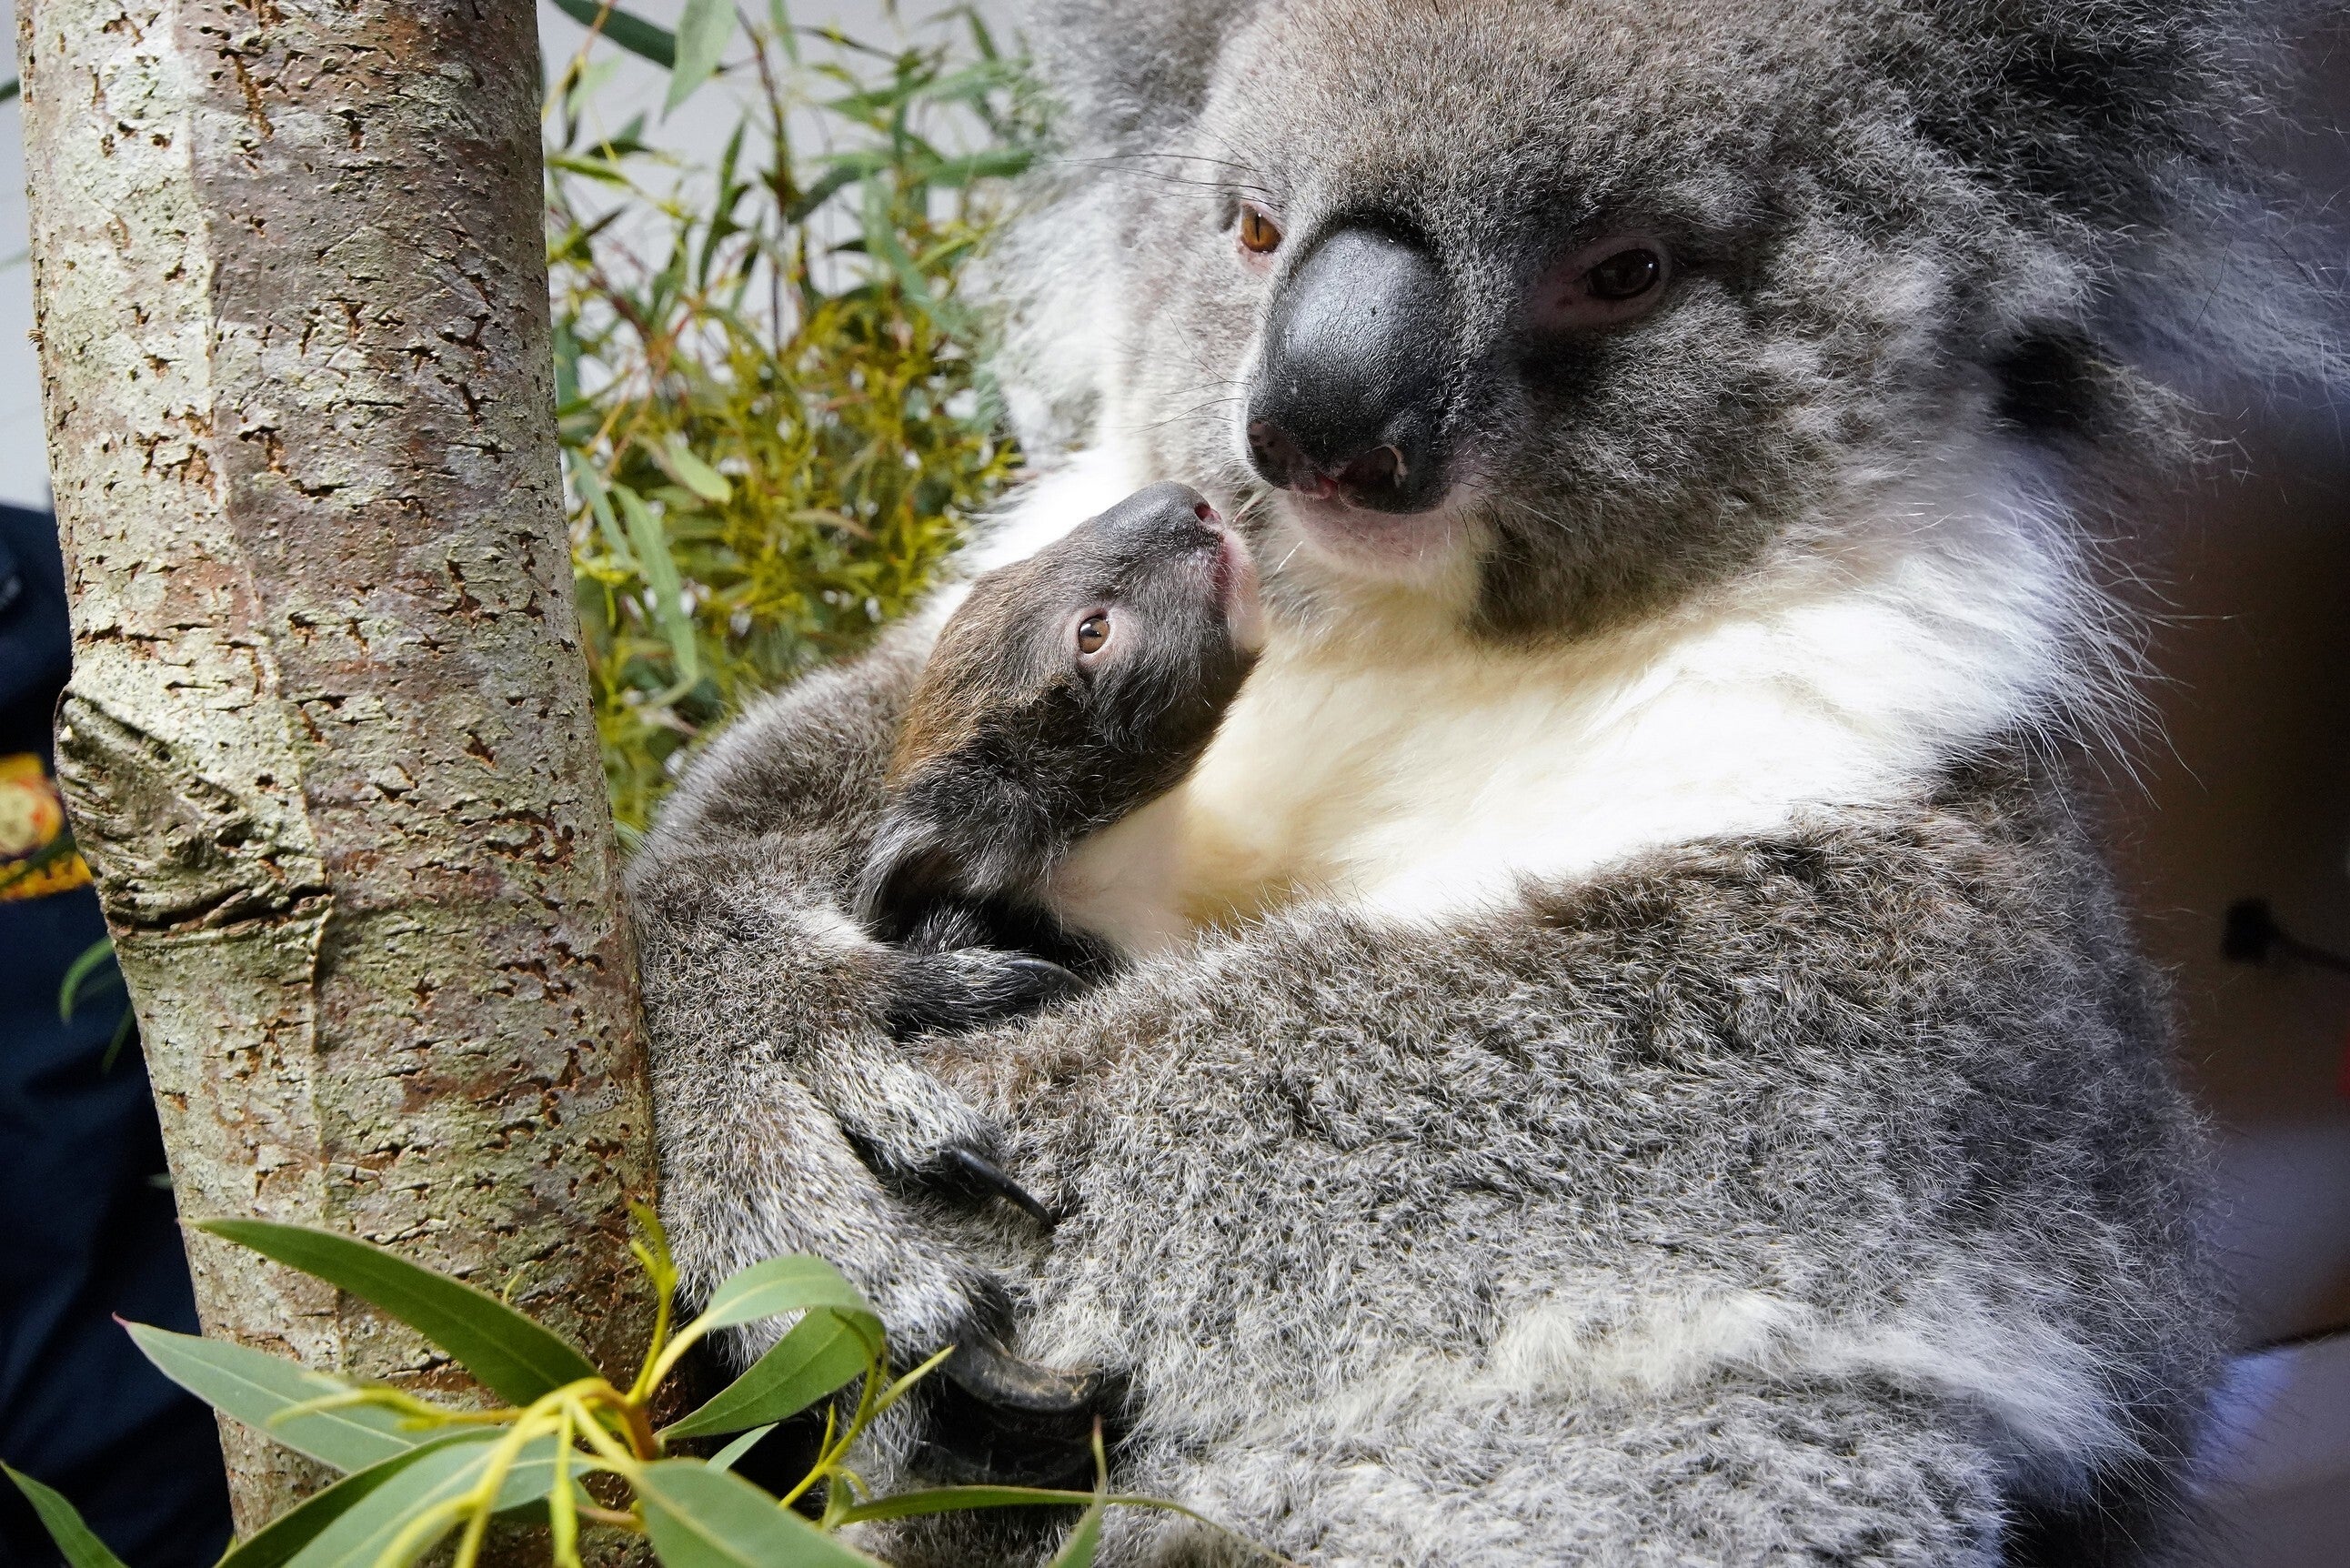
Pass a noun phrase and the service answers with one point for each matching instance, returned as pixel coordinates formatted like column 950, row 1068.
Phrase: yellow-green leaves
column 512, row 1356
column 422, row 1472
column 771, row 354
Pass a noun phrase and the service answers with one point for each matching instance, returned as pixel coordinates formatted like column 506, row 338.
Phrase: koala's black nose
column 1349, row 393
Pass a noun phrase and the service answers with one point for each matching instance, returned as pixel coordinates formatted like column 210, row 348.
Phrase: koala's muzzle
column 1348, row 400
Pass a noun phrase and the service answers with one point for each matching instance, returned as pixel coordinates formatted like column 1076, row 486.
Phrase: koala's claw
column 974, row 1169
column 968, row 987
column 993, row 1417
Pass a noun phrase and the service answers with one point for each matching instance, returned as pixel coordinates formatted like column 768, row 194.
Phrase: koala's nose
column 1348, row 399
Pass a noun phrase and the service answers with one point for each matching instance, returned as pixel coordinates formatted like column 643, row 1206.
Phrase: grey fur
column 1816, row 1198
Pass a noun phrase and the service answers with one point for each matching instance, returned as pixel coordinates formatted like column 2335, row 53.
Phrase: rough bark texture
column 327, row 744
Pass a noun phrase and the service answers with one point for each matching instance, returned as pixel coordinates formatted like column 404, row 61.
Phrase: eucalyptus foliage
column 774, row 423
column 416, row 1472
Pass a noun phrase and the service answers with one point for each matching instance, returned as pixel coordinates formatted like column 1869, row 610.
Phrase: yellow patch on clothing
column 36, row 858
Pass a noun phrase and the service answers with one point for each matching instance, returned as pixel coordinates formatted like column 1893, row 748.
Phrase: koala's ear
column 910, row 870
column 1129, row 71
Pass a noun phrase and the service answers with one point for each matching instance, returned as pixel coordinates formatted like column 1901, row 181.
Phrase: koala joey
column 1626, row 1050
column 1065, row 691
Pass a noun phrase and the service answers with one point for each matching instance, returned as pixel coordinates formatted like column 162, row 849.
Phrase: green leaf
column 704, row 30
column 80, row 1546
column 659, row 568
column 255, row 1387
column 512, row 1356
column 961, row 1499
column 630, row 32
column 677, row 456
column 820, row 1355
column 796, row 1283
column 282, row 1538
column 10, row 89
column 703, row 1518
column 362, row 1535
column 85, row 964
column 723, row 1460
column 1077, row 1551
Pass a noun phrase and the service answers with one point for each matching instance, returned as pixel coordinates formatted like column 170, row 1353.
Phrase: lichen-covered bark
column 328, row 743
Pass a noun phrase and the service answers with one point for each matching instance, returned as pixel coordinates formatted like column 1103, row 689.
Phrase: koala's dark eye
column 1093, row 634
column 1626, row 275
column 1605, row 284
column 1260, row 236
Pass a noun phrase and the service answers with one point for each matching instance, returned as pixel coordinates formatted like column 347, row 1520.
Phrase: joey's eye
column 1626, row 275
column 1093, row 634
column 1260, row 236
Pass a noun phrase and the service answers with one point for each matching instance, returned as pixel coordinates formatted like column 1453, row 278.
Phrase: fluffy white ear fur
column 1387, row 759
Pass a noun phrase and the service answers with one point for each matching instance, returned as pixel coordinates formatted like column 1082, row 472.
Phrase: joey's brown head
column 1066, row 691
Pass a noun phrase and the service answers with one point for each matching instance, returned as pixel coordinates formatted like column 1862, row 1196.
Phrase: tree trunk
column 328, row 746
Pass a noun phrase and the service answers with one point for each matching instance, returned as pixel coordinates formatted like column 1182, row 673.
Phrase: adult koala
column 1669, row 1081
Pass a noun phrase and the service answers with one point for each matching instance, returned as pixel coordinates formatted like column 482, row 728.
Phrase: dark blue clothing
column 87, row 1226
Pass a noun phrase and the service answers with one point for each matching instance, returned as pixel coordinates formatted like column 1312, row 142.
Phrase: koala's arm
column 779, row 1088
column 1847, row 1163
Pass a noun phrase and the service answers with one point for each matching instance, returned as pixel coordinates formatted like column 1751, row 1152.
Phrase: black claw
column 977, row 1170
column 1045, row 980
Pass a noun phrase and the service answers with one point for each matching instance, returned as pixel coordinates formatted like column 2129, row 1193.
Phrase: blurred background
column 2242, row 796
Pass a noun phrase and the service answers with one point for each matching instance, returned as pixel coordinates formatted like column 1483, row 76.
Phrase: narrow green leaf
column 255, row 1386
column 630, row 31
column 723, row 1460
column 796, row 1283
column 362, row 1535
column 691, row 471
column 958, row 1498
column 659, row 569
column 10, row 89
column 600, row 502
column 85, row 963
column 704, row 1518
column 512, row 1356
column 1077, row 1551
column 77, row 1540
column 820, row 1355
column 704, row 30
column 282, row 1538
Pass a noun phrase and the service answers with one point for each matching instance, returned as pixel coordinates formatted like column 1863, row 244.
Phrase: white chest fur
column 1398, row 762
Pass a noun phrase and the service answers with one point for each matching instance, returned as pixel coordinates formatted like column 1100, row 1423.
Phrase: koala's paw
column 988, row 1418
column 944, row 993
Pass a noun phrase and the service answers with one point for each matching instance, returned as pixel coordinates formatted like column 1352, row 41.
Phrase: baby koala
column 1065, row 691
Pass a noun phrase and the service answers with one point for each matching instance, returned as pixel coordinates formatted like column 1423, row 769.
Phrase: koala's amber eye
column 1626, row 275
column 1093, row 633
column 1260, row 236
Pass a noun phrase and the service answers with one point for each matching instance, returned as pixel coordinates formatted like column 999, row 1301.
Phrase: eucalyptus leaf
column 962, row 1498
column 820, row 1354
column 85, row 963
column 692, row 472
column 704, row 30
column 704, row 1518
column 1077, row 1551
column 723, row 1460
column 650, row 543
column 795, row 1283
column 625, row 28
column 363, row 1535
column 512, row 1356
column 76, row 1541
column 257, row 1388
column 280, row 1540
